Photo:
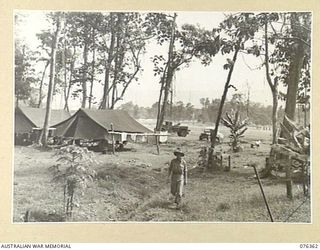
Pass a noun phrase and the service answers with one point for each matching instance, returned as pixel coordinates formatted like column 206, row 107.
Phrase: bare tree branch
column 249, row 67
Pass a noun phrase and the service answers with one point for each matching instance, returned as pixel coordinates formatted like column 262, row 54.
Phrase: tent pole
column 112, row 138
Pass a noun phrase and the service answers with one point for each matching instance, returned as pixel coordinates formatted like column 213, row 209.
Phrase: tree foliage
column 287, row 32
column 184, row 44
column 122, row 46
column 24, row 72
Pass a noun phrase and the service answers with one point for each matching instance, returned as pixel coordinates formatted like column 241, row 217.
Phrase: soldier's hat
column 178, row 151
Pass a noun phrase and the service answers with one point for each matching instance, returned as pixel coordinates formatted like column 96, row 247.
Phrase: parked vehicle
column 182, row 131
column 205, row 135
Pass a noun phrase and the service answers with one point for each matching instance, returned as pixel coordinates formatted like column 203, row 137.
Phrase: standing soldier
column 178, row 174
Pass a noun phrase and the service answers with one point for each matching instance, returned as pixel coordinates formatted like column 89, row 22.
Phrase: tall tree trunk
column 84, row 75
column 171, row 103
column 163, row 83
column 223, row 99
column 67, row 88
column 296, row 62
column 41, row 83
column 20, row 75
column 273, row 85
column 45, row 131
column 118, row 60
column 274, row 116
column 115, row 75
column 65, row 68
column 167, row 76
column 93, row 66
column 113, row 97
column 293, row 82
column 158, row 126
column 64, row 61
column 105, row 99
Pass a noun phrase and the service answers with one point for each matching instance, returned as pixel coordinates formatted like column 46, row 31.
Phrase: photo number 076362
column 309, row 246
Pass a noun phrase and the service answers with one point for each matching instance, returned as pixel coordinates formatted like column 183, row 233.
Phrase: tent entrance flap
column 71, row 130
column 84, row 128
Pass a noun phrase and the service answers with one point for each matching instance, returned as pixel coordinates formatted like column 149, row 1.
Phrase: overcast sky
column 190, row 84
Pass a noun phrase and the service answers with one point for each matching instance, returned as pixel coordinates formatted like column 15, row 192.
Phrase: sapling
column 237, row 128
column 74, row 170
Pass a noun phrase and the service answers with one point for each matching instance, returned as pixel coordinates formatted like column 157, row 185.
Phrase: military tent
column 94, row 124
column 27, row 119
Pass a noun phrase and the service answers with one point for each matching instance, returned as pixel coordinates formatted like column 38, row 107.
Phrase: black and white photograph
column 162, row 116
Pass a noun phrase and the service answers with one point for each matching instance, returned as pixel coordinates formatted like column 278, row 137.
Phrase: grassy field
column 133, row 185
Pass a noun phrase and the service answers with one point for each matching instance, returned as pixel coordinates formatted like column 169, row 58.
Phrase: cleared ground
column 133, row 185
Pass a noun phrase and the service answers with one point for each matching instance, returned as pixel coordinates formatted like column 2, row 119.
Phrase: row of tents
column 86, row 124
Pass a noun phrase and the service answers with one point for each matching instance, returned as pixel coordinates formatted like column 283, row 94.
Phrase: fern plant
column 74, row 170
column 237, row 128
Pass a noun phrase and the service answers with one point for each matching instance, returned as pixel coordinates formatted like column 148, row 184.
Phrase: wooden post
column 112, row 138
column 210, row 158
column 304, row 180
column 289, row 179
column 158, row 146
column 221, row 159
column 267, row 162
column 229, row 162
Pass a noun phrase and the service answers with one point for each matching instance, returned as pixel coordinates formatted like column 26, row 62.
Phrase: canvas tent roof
column 27, row 118
column 95, row 124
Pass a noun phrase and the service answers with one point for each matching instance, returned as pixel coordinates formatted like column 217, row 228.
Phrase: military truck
column 182, row 131
column 205, row 135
